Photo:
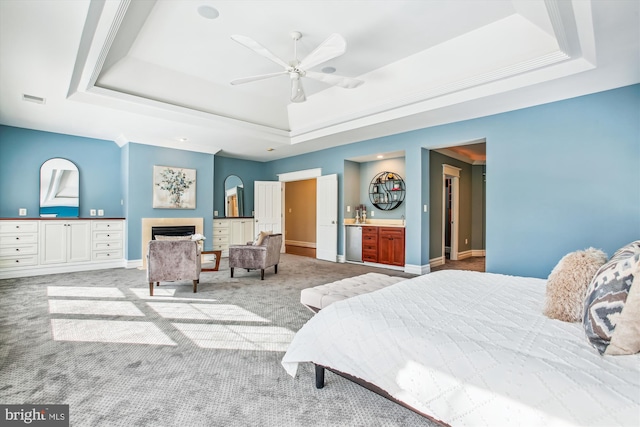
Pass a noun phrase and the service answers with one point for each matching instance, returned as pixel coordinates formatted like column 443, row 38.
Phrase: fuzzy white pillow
column 568, row 282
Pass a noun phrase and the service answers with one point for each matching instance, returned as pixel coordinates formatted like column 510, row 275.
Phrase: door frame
column 453, row 173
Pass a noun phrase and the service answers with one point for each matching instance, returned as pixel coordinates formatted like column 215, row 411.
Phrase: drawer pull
column 17, row 226
column 17, row 260
column 108, row 235
column 17, row 249
column 17, row 238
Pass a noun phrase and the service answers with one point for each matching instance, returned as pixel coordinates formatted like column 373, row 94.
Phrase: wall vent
column 32, row 98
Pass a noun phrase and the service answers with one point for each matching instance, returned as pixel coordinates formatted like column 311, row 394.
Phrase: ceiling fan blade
column 332, row 47
column 332, row 79
column 297, row 92
column 259, row 49
column 254, row 78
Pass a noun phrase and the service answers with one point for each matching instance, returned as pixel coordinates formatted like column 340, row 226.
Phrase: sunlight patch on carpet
column 106, row 308
column 108, row 331
column 226, row 312
column 83, row 291
column 237, row 337
column 164, row 294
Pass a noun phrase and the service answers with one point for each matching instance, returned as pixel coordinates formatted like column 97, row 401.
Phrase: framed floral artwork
column 174, row 188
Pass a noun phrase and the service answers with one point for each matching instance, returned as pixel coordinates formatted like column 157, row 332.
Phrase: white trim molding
column 300, row 175
column 417, row 269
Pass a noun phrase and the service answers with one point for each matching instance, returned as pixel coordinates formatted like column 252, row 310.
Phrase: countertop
column 399, row 223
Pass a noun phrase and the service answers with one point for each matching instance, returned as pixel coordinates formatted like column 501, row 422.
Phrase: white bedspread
column 473, row 348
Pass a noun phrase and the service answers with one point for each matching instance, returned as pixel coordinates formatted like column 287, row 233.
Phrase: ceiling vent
column 32, row 98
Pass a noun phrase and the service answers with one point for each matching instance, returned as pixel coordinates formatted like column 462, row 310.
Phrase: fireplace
column 172, row 230
column 149, row 223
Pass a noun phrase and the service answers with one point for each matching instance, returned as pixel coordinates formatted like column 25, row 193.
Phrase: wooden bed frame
column 319, row 369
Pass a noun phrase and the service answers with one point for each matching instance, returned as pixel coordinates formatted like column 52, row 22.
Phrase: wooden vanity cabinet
column 391, row 246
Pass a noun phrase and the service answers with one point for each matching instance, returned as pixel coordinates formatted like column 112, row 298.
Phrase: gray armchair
column 170, row 260
column 253, row 257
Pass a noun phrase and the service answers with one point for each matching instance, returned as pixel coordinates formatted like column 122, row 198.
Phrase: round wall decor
column 387, row 190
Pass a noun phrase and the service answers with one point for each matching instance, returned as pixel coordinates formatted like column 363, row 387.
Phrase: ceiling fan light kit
column 332, row 47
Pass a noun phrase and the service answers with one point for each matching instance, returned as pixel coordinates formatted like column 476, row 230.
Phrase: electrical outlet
column 348, row 208
column 466, row 241
column 425, row 208
column 372, row 213
column 100, row 212
column 215, row 213
column 92, row 212
column 22, row 212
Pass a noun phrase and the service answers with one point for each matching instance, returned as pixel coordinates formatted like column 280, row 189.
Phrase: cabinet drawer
column 106, row 225
column 369, row 231
column 220, row 232
column 18, row 227
column 18, row 238
column 18, row 261
column 392, row 232
column 217, row 223
column 17, row 250
column 107, row 235
column 106, row 255
column 220, row 240
column 107, row 246
column 220, row 247
column 371, row 256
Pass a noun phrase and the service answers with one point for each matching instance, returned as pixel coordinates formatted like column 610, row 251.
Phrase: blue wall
column 139, row 203
column 247, row 170
column 560, row 177
column 23, row 151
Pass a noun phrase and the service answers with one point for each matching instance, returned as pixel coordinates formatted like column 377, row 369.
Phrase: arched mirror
column 59, row 189
column 233, row 196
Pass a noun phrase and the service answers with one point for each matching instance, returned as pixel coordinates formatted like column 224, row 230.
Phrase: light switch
column 22, row 212
column 92, row 212
column 348, row 208
column 425, row 208
column 100, row 212
column 215, row 213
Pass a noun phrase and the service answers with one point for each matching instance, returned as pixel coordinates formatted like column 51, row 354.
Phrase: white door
column 268, row 206
column 327, row 217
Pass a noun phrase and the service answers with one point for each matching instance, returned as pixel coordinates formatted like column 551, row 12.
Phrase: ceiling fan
column 332, row 47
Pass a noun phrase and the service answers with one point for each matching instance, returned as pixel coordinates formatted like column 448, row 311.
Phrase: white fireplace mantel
column 147, row 223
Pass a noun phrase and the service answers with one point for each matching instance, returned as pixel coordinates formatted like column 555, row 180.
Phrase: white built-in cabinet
column 36, row 247
column 231, row 231
column 65, row 241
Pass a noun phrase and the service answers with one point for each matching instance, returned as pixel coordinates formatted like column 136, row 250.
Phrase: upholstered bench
column 320, row 296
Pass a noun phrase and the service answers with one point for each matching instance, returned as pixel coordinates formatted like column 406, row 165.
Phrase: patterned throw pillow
column 260, row 237
column 568, row 282
column 606, row 298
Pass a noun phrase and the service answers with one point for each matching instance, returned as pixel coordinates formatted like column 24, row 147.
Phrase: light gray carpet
column 131, row 384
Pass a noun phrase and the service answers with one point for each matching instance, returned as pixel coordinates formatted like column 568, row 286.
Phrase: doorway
column 457, row 220
column 300, row 217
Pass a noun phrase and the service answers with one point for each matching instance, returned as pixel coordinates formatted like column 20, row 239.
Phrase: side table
column 218, row 255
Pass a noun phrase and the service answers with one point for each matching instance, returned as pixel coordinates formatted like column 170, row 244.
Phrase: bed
column 467, row 348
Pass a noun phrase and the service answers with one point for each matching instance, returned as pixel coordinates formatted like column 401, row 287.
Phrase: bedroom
column 563, row 170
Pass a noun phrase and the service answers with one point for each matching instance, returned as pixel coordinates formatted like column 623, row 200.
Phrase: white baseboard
column 300, row 243
column 417, row 269
column 478, row 252
column 434, row 262
column 464, row 255
column 341, row 258
column 60, row 268
column 134, row 263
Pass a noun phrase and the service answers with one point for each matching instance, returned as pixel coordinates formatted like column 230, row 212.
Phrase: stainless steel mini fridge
column 354, row 243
